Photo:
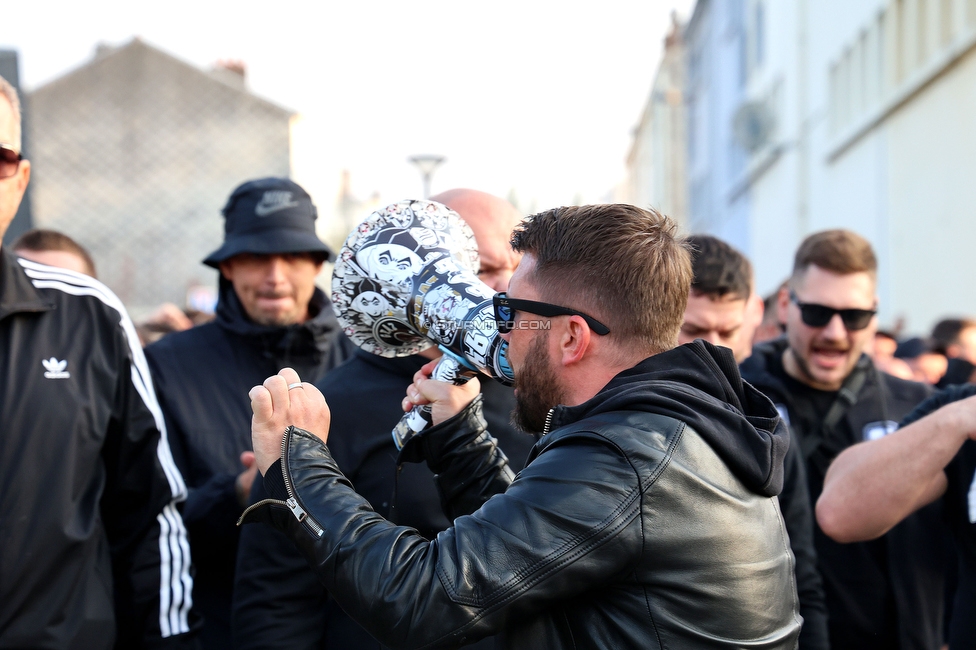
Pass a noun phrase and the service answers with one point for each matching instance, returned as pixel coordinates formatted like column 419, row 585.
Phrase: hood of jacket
column 314, row 335
column 760, row 368
column 699, row 384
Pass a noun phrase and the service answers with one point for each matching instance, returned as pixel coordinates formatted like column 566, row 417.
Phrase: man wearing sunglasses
column 93, row 551
column 645, row 515
column 881, row 594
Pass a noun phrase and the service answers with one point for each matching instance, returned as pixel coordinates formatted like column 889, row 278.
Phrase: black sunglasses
column 506, row 307
column 9, row 160
column 816, row 315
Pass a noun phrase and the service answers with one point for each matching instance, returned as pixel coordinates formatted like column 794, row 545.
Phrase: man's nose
column 834, row 329
column 275, row 269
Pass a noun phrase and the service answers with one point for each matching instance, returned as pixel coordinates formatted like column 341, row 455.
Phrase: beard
column 538, row 389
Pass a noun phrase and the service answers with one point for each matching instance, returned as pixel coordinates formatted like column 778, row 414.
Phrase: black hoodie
column 202, row 378
column 699, row 384
column 756, row 447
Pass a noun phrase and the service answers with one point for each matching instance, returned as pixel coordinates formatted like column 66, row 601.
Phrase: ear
column 783, row 304
column 23, row 176
column 574, row 341
column 225, row 269
column 755, row 309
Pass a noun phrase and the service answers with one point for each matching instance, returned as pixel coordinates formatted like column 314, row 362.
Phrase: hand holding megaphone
column 406, row 279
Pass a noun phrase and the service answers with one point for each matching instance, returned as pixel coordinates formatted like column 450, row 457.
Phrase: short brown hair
column 839, row 251
column 947, row 331
column 621, row 264
column 39, row 239
column 720, row 270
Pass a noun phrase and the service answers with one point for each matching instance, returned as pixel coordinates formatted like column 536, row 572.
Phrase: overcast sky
column 535, row 97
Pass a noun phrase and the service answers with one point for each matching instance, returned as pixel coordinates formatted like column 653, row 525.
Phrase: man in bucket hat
column 270, row 314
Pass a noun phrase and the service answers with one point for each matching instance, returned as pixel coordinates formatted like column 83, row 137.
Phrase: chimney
column 233, row 72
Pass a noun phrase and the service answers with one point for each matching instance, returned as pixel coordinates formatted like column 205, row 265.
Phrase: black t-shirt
column 819, row 402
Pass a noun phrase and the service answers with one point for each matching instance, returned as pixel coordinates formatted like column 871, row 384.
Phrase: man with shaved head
column 492, row 219
column 278, row 601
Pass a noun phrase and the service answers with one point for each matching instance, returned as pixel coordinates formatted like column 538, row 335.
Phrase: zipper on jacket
column 292, row 502
column 545, row 429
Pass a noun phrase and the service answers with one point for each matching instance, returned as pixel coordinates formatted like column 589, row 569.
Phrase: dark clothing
column 886, row 593
column 794, row 502
column 87, row 484
column 643, row 519
column 959, row 502
column 202, row 377
column 278, row 601
column 798, row 515
column 958, row 371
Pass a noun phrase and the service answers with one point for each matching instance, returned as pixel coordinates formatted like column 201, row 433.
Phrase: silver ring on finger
column 297, row 384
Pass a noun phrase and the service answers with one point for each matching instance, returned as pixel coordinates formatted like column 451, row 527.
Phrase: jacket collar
column 17, row 294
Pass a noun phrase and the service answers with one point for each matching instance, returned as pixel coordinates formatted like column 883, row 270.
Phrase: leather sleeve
column 519, row 552
column 469, row 466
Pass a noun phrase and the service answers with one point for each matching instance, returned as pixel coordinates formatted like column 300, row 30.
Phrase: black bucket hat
column 268, row 216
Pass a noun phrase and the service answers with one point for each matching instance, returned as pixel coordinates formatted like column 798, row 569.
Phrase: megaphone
column 406, row 279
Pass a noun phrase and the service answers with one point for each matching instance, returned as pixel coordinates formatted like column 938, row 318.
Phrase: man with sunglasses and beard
column 886, row 593
column 645, row 515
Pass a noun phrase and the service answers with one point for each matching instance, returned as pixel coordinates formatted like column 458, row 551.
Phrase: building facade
column 656, row 162
column 135, row 153
column 867, row 107
column 718, row 200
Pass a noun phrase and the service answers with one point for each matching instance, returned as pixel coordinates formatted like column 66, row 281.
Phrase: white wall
column 932, row 199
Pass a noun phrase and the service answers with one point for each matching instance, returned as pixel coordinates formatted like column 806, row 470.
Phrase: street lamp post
column 427, row 163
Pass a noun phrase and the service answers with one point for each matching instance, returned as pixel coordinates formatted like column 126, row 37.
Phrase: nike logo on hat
column 274, row 201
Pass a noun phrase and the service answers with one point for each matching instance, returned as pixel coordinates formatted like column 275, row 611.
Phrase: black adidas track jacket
column 93, row 552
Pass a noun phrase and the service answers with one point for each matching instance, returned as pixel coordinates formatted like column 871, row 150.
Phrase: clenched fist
column 276, row 407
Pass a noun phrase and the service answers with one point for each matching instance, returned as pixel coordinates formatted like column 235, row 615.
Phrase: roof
column 136, row 48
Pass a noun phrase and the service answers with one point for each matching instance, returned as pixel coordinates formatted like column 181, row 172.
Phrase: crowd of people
column 681, row 463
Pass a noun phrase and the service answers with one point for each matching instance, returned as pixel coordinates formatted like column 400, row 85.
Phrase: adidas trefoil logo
column 55, row 369
column 273, row 201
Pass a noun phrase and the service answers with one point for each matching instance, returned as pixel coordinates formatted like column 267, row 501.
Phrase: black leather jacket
column 644, row 519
